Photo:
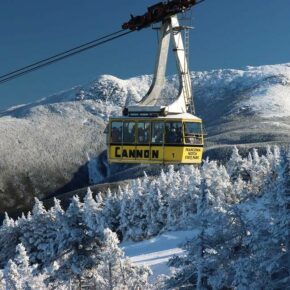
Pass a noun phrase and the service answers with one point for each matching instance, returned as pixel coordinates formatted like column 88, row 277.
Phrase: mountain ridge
column 45, row 145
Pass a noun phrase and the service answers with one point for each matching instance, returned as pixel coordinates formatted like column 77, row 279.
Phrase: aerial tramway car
column 151, row 132
column 168, row 139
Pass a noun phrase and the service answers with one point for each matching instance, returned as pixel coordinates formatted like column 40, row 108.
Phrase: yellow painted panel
column 156, row 153
column 139, row 153
column 172, row 153
column 192, row 155
column 142, row 152
column 118, row 152
column 114, row 151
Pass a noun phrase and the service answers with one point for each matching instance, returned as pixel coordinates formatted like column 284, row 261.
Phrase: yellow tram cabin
column 170, row 139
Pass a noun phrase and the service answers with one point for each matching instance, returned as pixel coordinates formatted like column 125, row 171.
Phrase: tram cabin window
column 173, row 132
column 143, row 132
column 116, row 132
column 157, row 132
column 193, row 133
column 129, row 132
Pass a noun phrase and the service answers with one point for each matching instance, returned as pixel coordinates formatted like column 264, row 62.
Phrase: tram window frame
column 192, row 133
column 194, row 138
column 145, row 130
column 133, row 140
column 153, row 140
column 169, row 137
column 120, row 136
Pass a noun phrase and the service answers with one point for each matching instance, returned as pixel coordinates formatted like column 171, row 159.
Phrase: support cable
column 60, row 56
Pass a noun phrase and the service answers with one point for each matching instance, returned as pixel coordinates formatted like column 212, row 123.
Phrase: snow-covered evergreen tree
column 83, row 240
column 9, row 235
column 93, row 213
column 40, row 234
column 12, row 277
column 155, row 211
column 18, row 274
column 112, row 208
column 190, row 180
column 236, row 165
column 115, row 272
column 125, row 213
column 137, row 218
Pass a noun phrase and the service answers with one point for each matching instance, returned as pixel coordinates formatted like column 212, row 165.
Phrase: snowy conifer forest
column 240, row 211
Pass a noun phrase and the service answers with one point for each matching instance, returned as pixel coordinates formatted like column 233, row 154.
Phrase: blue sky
column 228, row 34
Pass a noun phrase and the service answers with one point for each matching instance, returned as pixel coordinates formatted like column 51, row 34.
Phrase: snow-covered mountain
column 248, row 107
column 44, row 146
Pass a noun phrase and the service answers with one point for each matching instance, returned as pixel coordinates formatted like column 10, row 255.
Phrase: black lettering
column 146, row 154
column 116, row 152
column 139, row 153
column 132, row 153
column 124, row 153
column 155, row 154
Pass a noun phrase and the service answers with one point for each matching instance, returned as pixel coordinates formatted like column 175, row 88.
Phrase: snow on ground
column 264, row 89
column 156, row 251
column 271, row 101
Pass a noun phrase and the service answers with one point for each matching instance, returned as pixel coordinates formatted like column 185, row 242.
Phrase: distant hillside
column 44, row 146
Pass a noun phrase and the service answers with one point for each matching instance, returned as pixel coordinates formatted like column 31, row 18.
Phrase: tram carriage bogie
column 155, row 140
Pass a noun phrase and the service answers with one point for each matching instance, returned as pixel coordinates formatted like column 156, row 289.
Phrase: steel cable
column 60, row 56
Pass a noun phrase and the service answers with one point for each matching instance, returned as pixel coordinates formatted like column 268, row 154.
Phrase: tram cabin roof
column 183, row 116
